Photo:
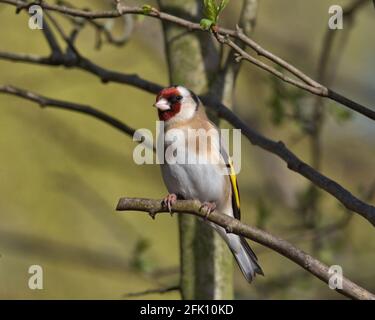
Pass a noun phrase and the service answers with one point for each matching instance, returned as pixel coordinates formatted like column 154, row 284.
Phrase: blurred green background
column 62, row 173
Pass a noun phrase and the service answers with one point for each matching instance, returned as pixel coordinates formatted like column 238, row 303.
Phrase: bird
column 180, row 108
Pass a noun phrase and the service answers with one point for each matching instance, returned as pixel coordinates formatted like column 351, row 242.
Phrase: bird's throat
column 168, row 114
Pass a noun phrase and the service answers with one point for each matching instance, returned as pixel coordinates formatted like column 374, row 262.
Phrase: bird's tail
column 245, row 257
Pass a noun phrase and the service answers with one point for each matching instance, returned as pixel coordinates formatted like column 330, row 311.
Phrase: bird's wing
column 234, row 185
column 229, row 164
column 235, row 191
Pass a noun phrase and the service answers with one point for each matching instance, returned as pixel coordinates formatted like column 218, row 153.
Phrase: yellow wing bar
column 233, row 180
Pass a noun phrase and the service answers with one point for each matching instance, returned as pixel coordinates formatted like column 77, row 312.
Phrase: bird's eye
column 175, row 99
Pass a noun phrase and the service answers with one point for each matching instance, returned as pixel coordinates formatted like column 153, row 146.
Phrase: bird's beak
column 162, row 105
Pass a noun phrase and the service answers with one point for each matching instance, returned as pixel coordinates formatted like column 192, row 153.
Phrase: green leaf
column 146, row 8
column 222, row 6
column 206, row 24
column 210, row 10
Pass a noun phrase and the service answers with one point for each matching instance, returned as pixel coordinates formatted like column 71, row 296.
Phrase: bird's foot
column 209, row 207
column 169, row 201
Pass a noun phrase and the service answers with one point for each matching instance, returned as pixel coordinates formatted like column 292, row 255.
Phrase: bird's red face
column 176, row 104
column 168, row 102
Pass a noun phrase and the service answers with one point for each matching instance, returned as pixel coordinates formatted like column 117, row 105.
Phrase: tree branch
column 103, row 29
column 294, row 163
column 306, row 83
column 55, row 48
column 284, row 248
column 243, row 55
column 48, row 102
column 27, row 58
column 105, row 75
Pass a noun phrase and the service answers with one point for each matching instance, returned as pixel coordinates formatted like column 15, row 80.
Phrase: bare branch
column 48, row 102
column 105, row 75
column 27, row 58
column 104, row 29
column 55, row 48
column 286, row 249
column 311, row 85
column 308, row 84
column 294, row 163
column 243, row 55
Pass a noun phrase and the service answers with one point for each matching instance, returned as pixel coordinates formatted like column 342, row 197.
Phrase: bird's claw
column 209, row 207
column 169, row 201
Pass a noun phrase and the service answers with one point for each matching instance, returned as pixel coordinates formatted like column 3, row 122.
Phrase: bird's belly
column 194, row 181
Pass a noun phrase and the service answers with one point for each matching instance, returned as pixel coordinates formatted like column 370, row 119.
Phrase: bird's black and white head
column 176, row 103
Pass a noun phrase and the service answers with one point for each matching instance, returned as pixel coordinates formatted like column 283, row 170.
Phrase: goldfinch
column 179, row 108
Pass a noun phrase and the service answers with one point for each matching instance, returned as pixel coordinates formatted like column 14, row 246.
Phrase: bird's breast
column 193, row 171
column 194, row 181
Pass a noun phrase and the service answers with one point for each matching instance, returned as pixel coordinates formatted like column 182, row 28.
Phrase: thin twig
column 48, row 102
column 294, row 163
column 243, row 55
column 307, row 83
column 103, row 29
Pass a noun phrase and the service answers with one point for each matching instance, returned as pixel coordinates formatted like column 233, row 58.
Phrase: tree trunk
column 193, row 60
